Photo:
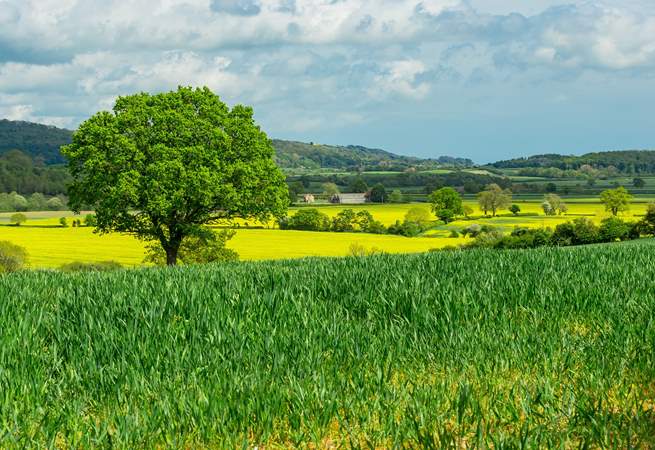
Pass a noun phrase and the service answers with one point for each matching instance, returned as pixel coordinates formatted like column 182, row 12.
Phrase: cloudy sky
column 484, row 79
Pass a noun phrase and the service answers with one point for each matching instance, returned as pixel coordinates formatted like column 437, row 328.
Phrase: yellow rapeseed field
column 50, row 245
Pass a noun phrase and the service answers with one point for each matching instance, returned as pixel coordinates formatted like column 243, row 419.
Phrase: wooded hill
column 42, row 143
column 294, row 155
column 625, row 161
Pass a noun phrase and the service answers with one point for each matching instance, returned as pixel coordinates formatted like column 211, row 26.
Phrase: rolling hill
column 42, row 142
column 625, row 161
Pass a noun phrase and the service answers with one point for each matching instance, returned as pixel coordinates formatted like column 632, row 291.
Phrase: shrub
column 614, row 229
column 100, row 266
column 12, row 257
column 307, row 220
column 515, row 209
column 472, row 230
column 579, row 232
column 407, row 229
column 345, row 221
column 90, row 220
column 17, row 219
column 63, row 222
column 454, row 234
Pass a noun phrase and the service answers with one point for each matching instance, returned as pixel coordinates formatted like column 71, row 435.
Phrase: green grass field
column 50, row 245
column 549, row 348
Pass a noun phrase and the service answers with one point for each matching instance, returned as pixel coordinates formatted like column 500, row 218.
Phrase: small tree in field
column 162, row 166
column 515, row 209
column 616, row 200
column 446, row 204
column 494, row 198
column 17, row 219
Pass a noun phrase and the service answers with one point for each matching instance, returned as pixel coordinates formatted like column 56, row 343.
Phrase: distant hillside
column 626, row 161
column 41, row 142
column 291, row 154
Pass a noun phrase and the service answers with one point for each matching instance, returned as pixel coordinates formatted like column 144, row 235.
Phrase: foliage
column 616, row 200
column 446, row 203
column 494, row 198
column 100, row 266
column 515, row 209
column 419, row 215
column 63, row 222
column 358, row 185
column 160, row 166
column 295, row 190
column 396, row 196
column 204, row 247
column 639, row 183
column 12, row 257
column 378, row 193
column 625, row 162
column 307, row 219
column 614, row 229
column 647, row 224
column 90, row 220
column 330, row 189
column 580, row 231
column 553, row 205
column 18, row 219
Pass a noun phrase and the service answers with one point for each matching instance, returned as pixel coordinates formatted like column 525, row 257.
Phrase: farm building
column 308, row 198
column 349, row 199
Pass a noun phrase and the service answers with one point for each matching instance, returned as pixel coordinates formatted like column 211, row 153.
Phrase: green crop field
column 503, row 349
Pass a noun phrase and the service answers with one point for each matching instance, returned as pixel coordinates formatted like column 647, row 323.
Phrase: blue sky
column 484, row 79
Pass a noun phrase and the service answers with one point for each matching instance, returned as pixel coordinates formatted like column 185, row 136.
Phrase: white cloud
column 307, row 64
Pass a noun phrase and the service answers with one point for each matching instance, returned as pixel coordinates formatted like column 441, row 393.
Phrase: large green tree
column 162, row 166
column 446, row 203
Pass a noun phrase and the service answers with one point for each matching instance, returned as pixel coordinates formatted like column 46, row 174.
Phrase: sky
column 482, row 79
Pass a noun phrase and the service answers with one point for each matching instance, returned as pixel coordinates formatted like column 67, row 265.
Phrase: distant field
column 50, row 245
column 547, row 348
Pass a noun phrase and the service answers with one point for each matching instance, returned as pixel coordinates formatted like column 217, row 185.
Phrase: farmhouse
column 349, row 199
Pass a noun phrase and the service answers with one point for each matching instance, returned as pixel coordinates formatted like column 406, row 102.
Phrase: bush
column 307, row 220
column 100, row 266
column 90, row 220
column 614, row 229
column 63, row 222
column 12, row 257
column 454, row 234
column 579, row 232
column 407, row 229
column 17, row 219
column 472, row 230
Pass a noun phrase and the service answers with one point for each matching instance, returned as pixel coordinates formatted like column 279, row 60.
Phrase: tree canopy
column 446, row 203
column 616, row 200
column 494, row 198
column 162, row 166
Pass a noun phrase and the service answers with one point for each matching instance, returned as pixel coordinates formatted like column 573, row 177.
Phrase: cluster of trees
column 624, row 162
column 581, row 231
column 35, row 202
column 347, row 220
column 41, row 142
column 20, row 173
column 416, row 221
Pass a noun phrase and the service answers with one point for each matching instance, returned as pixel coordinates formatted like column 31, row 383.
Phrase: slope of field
column 533, row 349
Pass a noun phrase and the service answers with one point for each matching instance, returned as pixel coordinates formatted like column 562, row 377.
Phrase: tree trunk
column 171, row 255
